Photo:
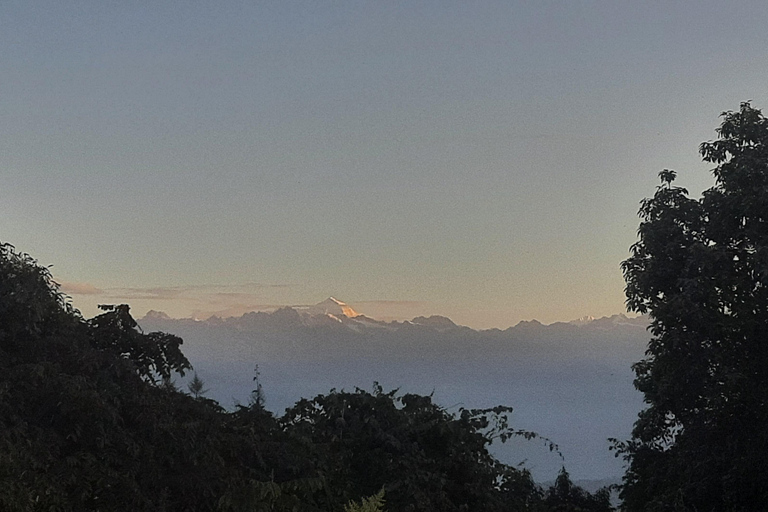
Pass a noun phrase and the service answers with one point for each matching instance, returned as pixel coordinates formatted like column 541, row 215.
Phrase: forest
column 91, row 419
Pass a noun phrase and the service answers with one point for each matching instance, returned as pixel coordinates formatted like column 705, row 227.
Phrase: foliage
column 257, row 398
column 564, row 496
column 84, row 422
column 373, row 503
column 32, row 305
column 425, row 458
column 156, row 355
column 700, row 269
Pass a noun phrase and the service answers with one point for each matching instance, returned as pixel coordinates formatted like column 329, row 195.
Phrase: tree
column 700, row 270
column 32, row 306
column 565, row 496
column 424, row 457
column 257, row 398
column 85, row 423
column 196, row 386
column 155, row 355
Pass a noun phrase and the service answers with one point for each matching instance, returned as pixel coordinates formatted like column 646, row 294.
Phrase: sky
column 478, row 160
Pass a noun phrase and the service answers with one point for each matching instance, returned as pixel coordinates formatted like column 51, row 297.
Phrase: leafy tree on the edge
column 90, row 420
column 700, row 270
column 86, row 422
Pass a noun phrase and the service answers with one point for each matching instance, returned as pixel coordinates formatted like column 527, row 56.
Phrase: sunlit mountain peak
column 332, row 306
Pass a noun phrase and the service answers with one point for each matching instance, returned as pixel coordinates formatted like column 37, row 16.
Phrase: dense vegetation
column 700, row 269
column 90, row 420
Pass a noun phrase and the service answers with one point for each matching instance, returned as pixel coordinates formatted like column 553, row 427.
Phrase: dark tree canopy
column 700, row 270
column 427, row 458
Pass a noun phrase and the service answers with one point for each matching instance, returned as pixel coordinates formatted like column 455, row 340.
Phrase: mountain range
column 326, row 328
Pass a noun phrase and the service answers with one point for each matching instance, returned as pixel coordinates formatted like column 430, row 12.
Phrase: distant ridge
column 435, row 321
column 336, row 311
column 583, row 320
column 156, row 315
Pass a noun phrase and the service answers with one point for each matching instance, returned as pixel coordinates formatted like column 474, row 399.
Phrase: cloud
column 157, row 293
column 389, row 310
column 196, row 300
column 233, row 295
column 71, row 288
column 393, row 303
column 262, row 285
column 234, row 310
column 190, row 292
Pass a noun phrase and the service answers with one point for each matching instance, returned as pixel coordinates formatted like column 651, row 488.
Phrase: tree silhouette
column 565, row 496
column 700, row 270
column 196, row 386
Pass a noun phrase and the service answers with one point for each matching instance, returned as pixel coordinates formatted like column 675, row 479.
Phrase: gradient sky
column 479, row 160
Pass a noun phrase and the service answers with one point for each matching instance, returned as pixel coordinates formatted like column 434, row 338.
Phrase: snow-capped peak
column 332, row 306
column 584, row 320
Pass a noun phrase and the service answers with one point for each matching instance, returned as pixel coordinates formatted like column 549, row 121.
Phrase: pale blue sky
column 480, row 160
